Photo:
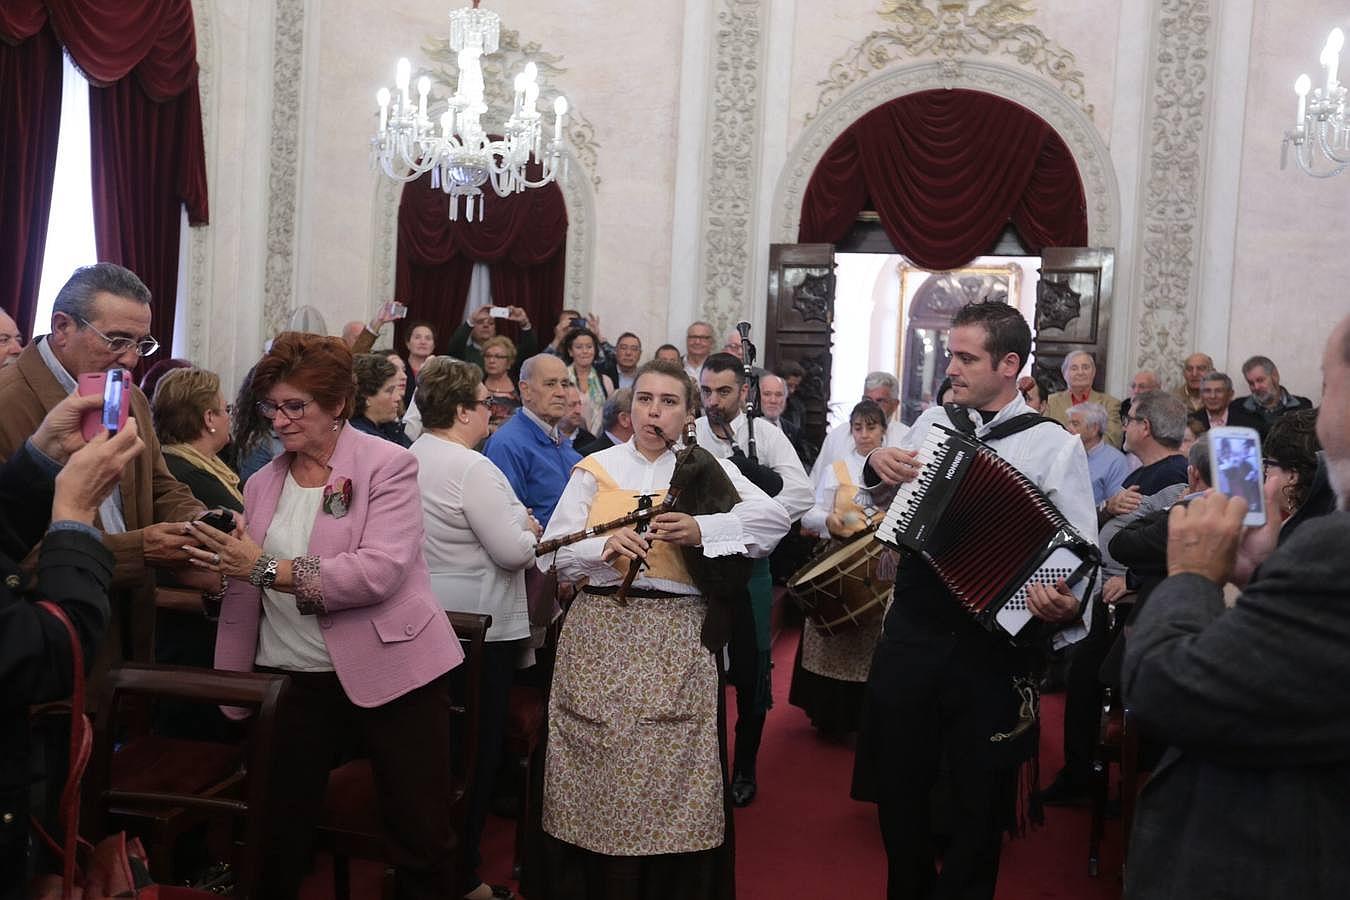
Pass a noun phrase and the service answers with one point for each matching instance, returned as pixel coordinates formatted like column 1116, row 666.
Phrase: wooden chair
column 349, row 825
column 159, row 787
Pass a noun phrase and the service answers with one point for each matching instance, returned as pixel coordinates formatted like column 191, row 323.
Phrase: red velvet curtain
column 140, row 57
column 522, row 237
column 30, row 123
column 945, row 172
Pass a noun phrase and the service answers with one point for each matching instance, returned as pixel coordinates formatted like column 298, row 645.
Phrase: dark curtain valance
column 945, row 171
column 148, row 155
column 522, row 237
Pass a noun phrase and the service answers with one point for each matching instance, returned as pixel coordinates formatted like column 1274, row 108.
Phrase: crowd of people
column 370, row 491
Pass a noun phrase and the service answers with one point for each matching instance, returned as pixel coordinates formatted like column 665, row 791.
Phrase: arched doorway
column 945, row 172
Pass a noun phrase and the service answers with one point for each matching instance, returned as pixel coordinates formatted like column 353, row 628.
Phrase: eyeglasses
column 698, row 337
column 17, row 338
column 119, row 345
column 489, row 402
column 636, row 348
column 1267, row 463
column 291, row 409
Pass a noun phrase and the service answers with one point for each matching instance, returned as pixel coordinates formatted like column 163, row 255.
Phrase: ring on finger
column 215, row 559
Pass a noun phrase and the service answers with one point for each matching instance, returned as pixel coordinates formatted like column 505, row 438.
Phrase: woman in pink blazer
column 327, row 584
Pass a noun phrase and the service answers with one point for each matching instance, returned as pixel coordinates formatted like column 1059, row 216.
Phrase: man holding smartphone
column 1250, row 799
column 101, row 320
column 468, row 340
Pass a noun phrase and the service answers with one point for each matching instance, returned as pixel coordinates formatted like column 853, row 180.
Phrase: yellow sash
column 612, row 502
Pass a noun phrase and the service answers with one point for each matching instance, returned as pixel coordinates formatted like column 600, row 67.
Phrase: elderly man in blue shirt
column 1107, row 465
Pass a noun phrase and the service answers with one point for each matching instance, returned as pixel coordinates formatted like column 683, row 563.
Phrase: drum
column 846, row 585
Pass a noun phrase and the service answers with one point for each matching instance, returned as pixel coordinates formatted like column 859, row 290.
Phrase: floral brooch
column 337, row 497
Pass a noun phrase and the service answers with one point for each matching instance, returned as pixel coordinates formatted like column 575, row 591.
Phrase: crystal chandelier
column 1321, row 126
column 458, row 153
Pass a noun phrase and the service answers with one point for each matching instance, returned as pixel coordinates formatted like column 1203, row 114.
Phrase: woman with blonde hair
column 499, row 375
column 192, row 421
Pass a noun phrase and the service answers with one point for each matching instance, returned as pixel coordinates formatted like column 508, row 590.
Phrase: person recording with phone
column 1249, row 801
column 51, row 488
column 469, row 338
column 101, row 319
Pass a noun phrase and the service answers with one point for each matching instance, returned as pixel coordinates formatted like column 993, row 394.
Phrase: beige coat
column 1057, row 408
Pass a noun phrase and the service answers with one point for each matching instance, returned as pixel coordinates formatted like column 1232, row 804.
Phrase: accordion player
column 987, row 531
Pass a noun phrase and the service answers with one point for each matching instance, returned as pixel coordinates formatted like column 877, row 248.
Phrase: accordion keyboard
column 918, row 503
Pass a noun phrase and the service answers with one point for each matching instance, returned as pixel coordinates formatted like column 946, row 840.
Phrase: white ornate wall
column 703, row 119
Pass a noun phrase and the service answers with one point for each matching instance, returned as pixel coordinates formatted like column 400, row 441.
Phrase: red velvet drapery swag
column 945, row 171
column 522, row 237
column 140, row 57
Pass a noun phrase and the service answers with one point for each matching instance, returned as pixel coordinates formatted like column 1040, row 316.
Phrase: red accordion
column 987, row 531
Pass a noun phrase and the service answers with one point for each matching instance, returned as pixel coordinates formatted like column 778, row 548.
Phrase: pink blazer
column 384, row 630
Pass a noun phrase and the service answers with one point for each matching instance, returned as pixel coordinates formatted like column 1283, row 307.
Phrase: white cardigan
column 478, row 542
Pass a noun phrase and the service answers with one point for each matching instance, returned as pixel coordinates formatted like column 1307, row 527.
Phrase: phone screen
column 113, row 392
column 1235, row 458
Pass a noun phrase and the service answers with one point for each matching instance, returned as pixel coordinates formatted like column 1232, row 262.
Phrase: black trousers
column 1083, row 697
column 934, row 698
column 499, row 666
column 747, row 674
column 408, row 741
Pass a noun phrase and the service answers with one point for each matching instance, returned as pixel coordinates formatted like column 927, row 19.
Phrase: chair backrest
column 254, row 690
column 471, row 629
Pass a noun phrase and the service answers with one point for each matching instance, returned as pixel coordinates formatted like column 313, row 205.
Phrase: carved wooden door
column 798, row 323
column 1073, row 309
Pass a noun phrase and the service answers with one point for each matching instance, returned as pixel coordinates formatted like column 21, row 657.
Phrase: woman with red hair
column 328, row 584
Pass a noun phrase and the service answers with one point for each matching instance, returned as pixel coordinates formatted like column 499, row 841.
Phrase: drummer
column 831, row 670
column 635, row 794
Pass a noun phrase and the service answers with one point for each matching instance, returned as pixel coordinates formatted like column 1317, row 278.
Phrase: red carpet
column 804, row 838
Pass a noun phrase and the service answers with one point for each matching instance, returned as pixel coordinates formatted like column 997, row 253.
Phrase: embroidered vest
column 611, row 502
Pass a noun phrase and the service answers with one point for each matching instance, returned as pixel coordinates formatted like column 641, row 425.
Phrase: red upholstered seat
column 526, row 711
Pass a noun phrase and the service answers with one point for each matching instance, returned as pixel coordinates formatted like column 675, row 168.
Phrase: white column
column 1219, row 234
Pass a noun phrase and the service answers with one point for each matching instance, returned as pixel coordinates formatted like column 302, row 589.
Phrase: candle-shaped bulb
column 382, row 98
column 559, row 115
column 402, row 73
column 520, row 83
column 532, row 71
column 423, row 88
column 447, row 123
column 1335, row 41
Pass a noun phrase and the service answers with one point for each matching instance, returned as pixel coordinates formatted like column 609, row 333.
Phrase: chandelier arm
column 1325, row 144
column 1306, row 163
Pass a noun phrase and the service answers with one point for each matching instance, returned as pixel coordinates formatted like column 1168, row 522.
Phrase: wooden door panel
column 799, row 323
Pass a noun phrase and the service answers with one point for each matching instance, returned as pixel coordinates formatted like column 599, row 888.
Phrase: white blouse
column 286, row 639
column 478, row 541
column 814, row 520
column 753, row 527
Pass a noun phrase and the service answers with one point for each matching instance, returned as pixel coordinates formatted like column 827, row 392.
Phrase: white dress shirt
column 1047, row 454
column 772, row 449
column 477, row 538
column 815, row 517
column 753, row 527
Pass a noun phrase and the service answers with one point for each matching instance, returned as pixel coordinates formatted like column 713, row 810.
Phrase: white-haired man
column 1106, row 464
column 1080, row 370
column 880, row 387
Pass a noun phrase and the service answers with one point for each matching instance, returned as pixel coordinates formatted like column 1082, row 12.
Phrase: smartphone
column 1235, row 469
column 395, row 310
column 499, row 312
column 112, row 386
column 578, row 322
column 219, row 519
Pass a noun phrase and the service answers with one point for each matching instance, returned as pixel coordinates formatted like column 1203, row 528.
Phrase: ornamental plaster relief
column 1172, row 182
column 283, row 165
column 733, row 136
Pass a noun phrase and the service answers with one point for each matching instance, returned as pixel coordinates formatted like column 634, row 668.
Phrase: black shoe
column 1064, row 791
column 743, row 790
